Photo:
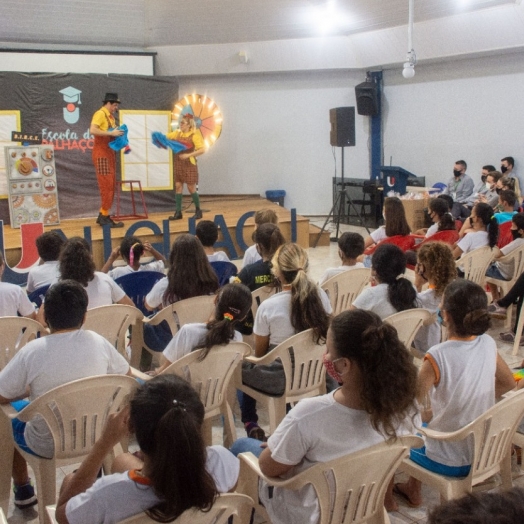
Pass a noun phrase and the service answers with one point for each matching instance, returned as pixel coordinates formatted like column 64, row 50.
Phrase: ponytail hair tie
column 228, row 316
column 132, row 253
column 492, row 217
column 179, row 405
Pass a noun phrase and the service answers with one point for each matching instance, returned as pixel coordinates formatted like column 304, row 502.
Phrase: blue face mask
column 439, row 316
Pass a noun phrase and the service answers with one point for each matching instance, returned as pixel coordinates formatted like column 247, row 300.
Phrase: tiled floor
column 320, row 258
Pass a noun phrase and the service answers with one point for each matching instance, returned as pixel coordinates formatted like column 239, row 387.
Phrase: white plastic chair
column 350, row 489
column 475, row 264
column 16, row 332
column 305, row 374
column 517, row 257
column 75, row 414
column 259, row 295
column 113, row 322
column 225, row 506
column 344, row 288
column 408, row 322
column 210, row 377
column 3, row 520
column 492, row 434
column 7, row 447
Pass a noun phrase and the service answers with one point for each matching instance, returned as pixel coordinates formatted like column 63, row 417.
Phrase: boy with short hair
column 207, row 233
column 48, row 245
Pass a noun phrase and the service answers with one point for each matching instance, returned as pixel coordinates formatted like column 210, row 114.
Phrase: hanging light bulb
column 411, row 58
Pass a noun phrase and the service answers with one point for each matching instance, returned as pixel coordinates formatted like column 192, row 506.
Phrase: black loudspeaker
column 342, row 126
column 367, row 98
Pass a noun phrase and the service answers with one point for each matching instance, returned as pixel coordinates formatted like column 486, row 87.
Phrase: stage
column 232, row 213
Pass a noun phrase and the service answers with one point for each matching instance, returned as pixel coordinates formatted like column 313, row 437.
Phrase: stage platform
column 157, row 230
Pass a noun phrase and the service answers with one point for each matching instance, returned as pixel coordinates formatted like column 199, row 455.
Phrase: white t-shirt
column 507, row 269
column 120, row 271
column 473, row 240
column 317, row 429
column 116, row 497
column 42, row 275
column 379, row 234
column 218, row 256
column 273, row 317
column 155, row 298
column 332, row 271
column 103, row 291
column 465, row 391
column 432, row 230
column 375, row 299
column 187, row 339
column 251, row 255
column 49, row 362
column 13, row 300
column 428, row 336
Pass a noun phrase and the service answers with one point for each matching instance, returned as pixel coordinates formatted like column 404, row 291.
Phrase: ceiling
column 140, row 24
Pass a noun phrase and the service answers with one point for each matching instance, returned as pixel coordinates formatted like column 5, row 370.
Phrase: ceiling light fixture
column 411, row 57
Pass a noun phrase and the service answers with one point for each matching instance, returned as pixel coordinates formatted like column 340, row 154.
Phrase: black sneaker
column 176, row 216
column 24, row 496
column 198, row 213
column 116, row 224
column 99, row 217
column 108, row 221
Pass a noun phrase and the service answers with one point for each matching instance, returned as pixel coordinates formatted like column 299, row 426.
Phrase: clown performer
column 186, row 170
column 104, row 129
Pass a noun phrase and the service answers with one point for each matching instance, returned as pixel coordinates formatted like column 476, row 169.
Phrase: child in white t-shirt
column 48, row 245
column 207, row 233
column 173, row 472
column 13, row 299
column 462, row 378
column 350, row 247
column 262, row 216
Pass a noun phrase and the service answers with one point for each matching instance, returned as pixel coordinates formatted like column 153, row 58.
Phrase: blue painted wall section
column 376, row 130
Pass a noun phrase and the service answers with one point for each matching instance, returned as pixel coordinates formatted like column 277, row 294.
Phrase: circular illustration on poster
column 25, row 166
column 207, row 116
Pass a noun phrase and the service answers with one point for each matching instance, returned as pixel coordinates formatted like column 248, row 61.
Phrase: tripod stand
column 339, row 205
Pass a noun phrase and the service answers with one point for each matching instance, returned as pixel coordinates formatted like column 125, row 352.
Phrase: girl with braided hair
column 172, row 472
column 361, row 351
column 462, row 377
column 232, row 304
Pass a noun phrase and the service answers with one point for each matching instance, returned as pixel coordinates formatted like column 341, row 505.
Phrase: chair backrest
column 224, row 271
column 505, row 236
column 407, row 323
column 37, row 296
column 76, row 412
column 210, row 377
column 404, row 242
column 342, row 289
column 448, row 236
column 475, row 264
column 259, row 295
column 112, row 322
column 345, row 497
column 16, row 332
column 440, row 185
column 301, row 358
column 517, row 256
column 138, row 284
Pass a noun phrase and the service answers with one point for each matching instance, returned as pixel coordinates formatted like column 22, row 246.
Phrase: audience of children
column 299, row 306
column 436, row 268
column 131, row 250
column 207, row 233
column 13, row 299
column 350, row 247
column 262, row 216
column 462, row 378
column 232, row 304
column 392, row 292
column 68, row 353
column 48, row 245
column 174, row 472
column 365, row 410
column 189, row 275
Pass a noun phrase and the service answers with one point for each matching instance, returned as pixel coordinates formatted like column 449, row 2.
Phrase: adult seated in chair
column 365, row 410
column 68, row 353
column 460, row 188
column 491, row 197
column 13, row 299
column 48, row 245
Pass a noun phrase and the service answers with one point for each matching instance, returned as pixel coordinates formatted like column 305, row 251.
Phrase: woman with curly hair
column 435, row 267
column 76, row 263
column 462, row 377
column 190, row 275
column 365, row 410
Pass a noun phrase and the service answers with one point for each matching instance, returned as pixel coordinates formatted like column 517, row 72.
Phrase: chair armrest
column 453, row 436
column 9, row 411
column 135, row 373
column 430, row 320
column 268, row 358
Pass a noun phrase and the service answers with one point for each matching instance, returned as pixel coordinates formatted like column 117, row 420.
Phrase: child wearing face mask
column 365, row 410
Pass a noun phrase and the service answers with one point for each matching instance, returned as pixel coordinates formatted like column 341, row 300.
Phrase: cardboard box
column 415, row 213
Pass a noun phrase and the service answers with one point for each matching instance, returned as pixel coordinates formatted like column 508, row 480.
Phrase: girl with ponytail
column 461, row 378
column 393, row 292
column 232, row 304
column 375, row 402
column 131, row 250
column 299, row 306
column 173, row 471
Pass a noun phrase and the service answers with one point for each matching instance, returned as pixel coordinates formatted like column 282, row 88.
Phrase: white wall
column 276, row 135
column 469, row 109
